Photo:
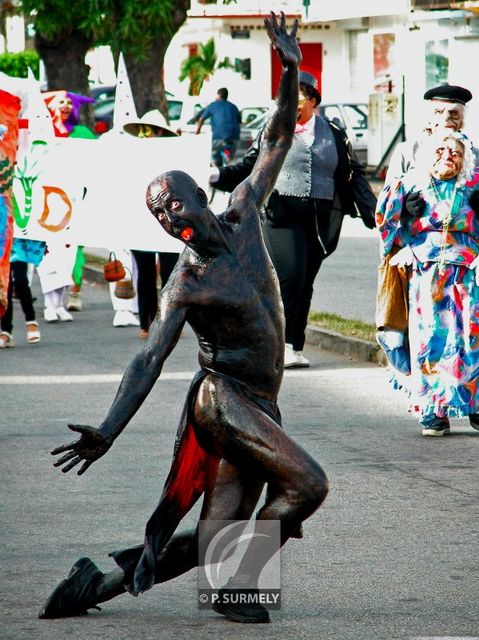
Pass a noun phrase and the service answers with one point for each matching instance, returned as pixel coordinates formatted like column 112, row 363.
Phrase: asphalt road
column 391, row 554
column 346, row 282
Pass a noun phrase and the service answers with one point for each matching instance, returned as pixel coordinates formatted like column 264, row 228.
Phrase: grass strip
column 344, row 326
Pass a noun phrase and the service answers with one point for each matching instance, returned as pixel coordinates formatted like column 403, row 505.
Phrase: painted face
column 305, row 108
column 180, row 206
column 447, row 115
column 448, row 159
column 147, row 131
column 61, row 104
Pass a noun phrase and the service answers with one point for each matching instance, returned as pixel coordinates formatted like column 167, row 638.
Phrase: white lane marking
column 101, row 378
column 108, row 378
column 340, row 374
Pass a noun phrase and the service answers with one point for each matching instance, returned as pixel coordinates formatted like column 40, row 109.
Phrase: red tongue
column 186, row 234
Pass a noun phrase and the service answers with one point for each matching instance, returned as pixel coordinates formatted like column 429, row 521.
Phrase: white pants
column 54, row 299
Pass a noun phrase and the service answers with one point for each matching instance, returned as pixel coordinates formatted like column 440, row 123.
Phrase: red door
column 312, row 62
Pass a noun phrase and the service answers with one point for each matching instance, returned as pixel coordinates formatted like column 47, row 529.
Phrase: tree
column 7, row 8
column 62, row 39
column 199, row 67
column 141, row 29
column 63, row 36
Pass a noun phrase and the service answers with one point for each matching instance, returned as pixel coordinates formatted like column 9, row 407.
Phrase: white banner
column 92, row 192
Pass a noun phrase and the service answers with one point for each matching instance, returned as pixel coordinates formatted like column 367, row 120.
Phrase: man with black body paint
column 230, row 442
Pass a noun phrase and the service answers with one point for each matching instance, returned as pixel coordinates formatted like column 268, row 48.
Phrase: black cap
column 450, row 93
column 307, row 78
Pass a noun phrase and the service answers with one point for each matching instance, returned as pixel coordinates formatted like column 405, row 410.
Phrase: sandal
column 6, row 340
column 33, row 332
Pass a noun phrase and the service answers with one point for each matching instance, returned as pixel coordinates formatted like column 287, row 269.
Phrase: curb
column 353, row 348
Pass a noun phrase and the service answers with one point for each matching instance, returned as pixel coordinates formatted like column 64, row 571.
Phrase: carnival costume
column 443, row 291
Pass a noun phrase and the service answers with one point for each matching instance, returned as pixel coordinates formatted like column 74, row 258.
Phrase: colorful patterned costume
column 443, row 301
column 9, row 110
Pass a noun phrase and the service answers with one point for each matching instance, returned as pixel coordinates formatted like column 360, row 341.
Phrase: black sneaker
column 435, row 426
column 74, row 595
column 229, row 605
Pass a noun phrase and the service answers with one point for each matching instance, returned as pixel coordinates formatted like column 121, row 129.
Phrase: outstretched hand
column 285, row 44
column 90, row 446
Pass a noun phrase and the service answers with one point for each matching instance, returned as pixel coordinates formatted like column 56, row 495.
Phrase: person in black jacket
column 321, row 180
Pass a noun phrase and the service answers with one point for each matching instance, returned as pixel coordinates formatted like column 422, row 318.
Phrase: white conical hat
column 155, row 119
column 125, row 110
column 40, row 123
column 32, row 105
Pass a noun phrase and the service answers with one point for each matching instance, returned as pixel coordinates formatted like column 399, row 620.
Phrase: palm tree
column 199, row 67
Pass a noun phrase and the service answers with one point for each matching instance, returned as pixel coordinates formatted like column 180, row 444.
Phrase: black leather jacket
column 353, row 194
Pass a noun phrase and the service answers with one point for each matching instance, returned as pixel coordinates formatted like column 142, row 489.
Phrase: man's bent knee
column 306, row 496
column 315, row 490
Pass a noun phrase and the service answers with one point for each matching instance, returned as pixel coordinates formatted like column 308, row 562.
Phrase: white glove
column 403, row 258
column 214, row 175
column 475, row 265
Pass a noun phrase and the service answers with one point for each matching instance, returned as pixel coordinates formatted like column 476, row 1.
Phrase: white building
column 356, row 48
column 387, row 52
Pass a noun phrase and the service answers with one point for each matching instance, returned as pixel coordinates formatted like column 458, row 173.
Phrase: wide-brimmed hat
column 449, row 93
column 307, row 78
column 154, row 119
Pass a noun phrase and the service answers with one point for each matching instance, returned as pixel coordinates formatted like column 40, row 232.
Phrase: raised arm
column 139, row 378
column 279, row 131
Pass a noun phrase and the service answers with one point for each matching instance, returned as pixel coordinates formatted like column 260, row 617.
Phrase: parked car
column 183, row 113
column 249, row 131
column 249, row 114
column 102, row 92
column 353, row 117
